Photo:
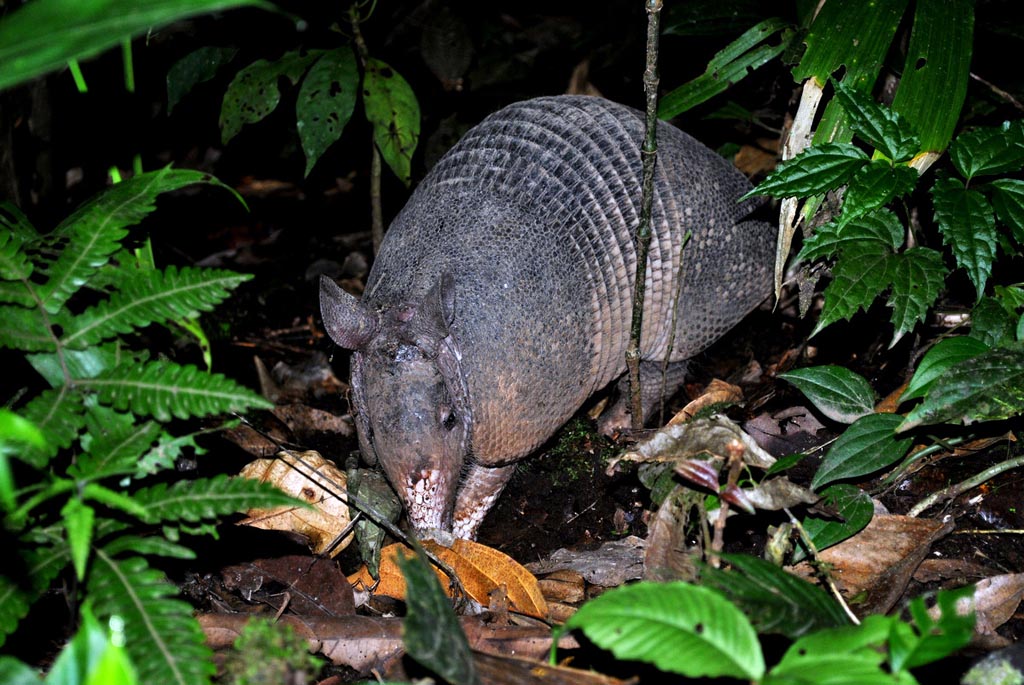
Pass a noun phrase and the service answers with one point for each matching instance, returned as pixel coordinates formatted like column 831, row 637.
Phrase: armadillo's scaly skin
column 533, row 213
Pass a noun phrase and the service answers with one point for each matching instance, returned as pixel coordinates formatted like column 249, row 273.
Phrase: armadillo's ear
column 349, row 323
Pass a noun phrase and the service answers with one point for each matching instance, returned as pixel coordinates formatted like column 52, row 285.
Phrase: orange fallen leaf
column 480, row 568
column 717, row 392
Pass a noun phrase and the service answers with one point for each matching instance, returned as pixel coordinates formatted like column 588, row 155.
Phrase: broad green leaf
column 326, row 100
column 990, row 150
column 813, row 172
column 207, row 498
column 988, row 387
column 152, row 296
column 932, row 639
column 837, row 392
column 78, row 519
column 44, row 35
column 868, row 445
column 163, row 389
column 680, row 628
column 880, row 226
column 853, row 505
column 874, row 185
column 1008, row 200
column 392, row 108
column 163, row 639
column 431, row 631
column 860, row 276
column 835, row 668
column 774, row 600
column 254, row 92
column 943, row 356
column 86, row 239
column 917, row 278
column 92, row 656
column 880, row 126
column 199, row 66
column 727, row 67
column 14, row 672
column 992, row 323
column 967, row 226
column 933, row 82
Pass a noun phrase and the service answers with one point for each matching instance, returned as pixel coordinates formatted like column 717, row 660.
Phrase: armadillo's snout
column 426, row 500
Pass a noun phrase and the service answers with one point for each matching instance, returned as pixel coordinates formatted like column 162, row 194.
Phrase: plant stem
column 649, row 154
column 376, row 211
column 963, row 486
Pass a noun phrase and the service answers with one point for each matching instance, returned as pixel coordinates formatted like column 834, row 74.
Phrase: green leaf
column 933, row 82
column 17, row 429
column 844, row 35
column 93, row 657
column 113, row 444
column 207, row 498
column 149, row 545
column 326, row 102
column 254, row 93
column 933, row 639
column 880, row 126
column 45, row 34
column 60, row 414
column 774, row 600
column 27, row 573
column 990, row 150
column 88, row 363
column 1008, row 200
column 431, row 631
column 838, row 393
column 868, row 445
column 874, row 185
column 988, row 387
column 115, row 500
column 14, row 672
column 163, row 640
column 847, row 655
column 967, row 226
column 15, row 231
column 152, row 296
column 79, row 519
column 852, row 504
column 880, row 226
column 814, row 171
column 943, row 356
column 392, row 108
column 860, row 276
column 992, row 323
column 199, row 66
column 87, row 238
column 26, row 329
column 680, row 628
column 917, row 278
column 163, row 389
column 727, row 67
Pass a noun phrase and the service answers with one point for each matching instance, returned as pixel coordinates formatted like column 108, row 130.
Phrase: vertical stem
column 376, row 211
column 648, row 153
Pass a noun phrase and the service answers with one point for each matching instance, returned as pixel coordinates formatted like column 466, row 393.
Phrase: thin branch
column 963, row 486
column 649, row 154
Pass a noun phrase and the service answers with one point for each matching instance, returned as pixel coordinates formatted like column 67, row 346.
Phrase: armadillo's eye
column 447, row 419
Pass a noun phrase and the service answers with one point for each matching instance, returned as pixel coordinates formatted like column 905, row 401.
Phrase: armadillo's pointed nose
column 426, row 498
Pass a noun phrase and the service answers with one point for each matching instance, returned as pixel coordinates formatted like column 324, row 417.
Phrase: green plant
column 85, row 460
column 268, row 652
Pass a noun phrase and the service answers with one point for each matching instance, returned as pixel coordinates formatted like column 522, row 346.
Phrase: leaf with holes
column 392, row 108
column 326, row 101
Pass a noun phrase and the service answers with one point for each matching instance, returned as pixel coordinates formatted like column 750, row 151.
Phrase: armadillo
column 501, row 297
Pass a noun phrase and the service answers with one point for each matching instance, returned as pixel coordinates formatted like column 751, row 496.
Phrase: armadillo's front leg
column 654, row 389
column 480, row 488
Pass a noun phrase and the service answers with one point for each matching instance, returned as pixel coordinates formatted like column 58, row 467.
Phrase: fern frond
column 26, row 329
column 114, row 446
column 163, row 389
column 163, row 640
column 194, row 500
column 15, row 231
column 86, row 239
column 59, row 413
column 14, row 292
column 152, row 296
column 150, row 545
column 29, row 576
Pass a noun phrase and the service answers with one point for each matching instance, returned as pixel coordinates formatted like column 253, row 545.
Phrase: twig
column 999, row 91
column 963, row 486
column 376, row 211
column 649, row 154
